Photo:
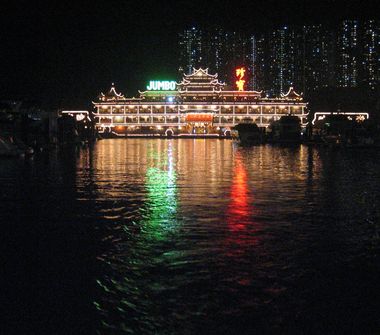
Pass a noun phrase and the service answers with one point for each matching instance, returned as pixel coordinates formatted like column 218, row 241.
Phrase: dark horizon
column 64, row 56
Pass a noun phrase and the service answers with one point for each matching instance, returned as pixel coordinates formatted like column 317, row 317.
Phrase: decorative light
column 240, row 82
column 80, row 117
column 159, row 85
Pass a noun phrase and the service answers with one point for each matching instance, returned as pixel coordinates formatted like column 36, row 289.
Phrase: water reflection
column 194, row 236
column 160, row 208
column 203, row 234
column 239, row 209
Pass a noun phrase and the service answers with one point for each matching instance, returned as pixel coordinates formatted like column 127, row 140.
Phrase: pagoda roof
column 111, row 95
column 200, row 80
column 292, row 94
column 200, row 72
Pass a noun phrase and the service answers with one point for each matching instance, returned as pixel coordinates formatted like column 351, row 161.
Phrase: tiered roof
column 199, row 86
column 200, row 80
column 111, row 95
column 292, row 95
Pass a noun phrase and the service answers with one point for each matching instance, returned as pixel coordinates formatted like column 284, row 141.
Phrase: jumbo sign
column 161, row 85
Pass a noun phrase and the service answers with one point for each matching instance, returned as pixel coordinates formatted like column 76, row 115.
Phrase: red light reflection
column 239, row 210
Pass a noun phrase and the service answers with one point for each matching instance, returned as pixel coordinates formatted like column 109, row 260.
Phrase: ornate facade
column 200, row 105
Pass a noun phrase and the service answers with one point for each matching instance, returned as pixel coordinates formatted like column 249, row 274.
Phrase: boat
column 285, row 130
column 248, row 133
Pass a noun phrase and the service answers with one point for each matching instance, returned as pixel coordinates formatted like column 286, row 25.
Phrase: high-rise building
column 215, row 43
column 236, row 53
column 284, row 65
column 190, row 45
column 258, row 62
column 370, row 73
column 220, row 51
column 348, row 53
column 318, row 58
column 309, row 58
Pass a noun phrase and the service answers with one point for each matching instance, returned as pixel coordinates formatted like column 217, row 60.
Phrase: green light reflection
column 161, row 205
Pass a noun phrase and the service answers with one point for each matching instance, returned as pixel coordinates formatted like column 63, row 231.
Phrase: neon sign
column 161, row 85
column 240, row 82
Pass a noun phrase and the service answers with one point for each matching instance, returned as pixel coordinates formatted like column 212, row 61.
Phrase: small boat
column 248, row 133
column 286, row 130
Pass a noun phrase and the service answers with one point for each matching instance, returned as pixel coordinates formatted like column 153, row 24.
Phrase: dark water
column 189, row 237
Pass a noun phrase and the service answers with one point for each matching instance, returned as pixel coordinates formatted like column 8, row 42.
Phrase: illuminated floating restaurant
column 199, row 105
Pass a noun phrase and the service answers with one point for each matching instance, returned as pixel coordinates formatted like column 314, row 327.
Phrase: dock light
column 80, row 117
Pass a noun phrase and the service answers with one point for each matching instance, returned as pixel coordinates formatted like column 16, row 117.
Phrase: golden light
column 240, row 82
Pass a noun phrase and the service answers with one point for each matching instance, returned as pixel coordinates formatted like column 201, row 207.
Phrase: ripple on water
column 183, row 236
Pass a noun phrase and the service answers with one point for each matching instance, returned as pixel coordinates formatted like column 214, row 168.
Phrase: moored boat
column 248, row 133
column 285, row 130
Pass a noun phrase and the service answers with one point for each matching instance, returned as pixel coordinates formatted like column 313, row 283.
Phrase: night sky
column 63, row 54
